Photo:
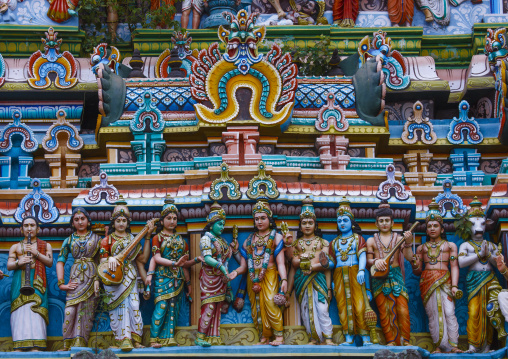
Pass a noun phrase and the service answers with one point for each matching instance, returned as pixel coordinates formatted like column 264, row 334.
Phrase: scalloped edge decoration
column 95, row 194
column 47, row 213
column 254, row 191
column 74, row 141
column 233, row 188
column 447, row 196
column 29, row 143
column 384, row 188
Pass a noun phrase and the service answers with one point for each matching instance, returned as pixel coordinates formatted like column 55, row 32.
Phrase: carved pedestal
column 418, row 162
column 332, row 152
column 241, row 144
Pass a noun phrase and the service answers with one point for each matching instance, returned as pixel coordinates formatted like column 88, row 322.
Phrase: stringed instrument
column 376, row 273
column 110, row 277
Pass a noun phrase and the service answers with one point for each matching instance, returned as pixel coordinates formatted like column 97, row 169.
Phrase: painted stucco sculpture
column 52, row 61
column 272, row 78
column 17, row 142
column 418, row 128
column 464, row 124
column 394, row 68
column 37, row 204
column 62, row 144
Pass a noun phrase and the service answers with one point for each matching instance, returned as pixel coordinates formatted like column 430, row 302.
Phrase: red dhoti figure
column 345, row 12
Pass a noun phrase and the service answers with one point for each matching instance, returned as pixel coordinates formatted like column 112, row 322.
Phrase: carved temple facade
column 399, row 115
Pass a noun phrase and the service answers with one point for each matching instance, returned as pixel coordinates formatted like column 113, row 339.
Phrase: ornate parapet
column 391, row 187
column 464, row 128
column 450, row 204
column 102, row 191
column 418, row 128
column 231, row 186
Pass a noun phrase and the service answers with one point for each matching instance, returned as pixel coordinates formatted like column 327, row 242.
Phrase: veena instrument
column 110, row 277
column 376, row 273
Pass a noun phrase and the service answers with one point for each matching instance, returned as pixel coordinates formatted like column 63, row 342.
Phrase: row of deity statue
column 345, row 12
column 272, row 265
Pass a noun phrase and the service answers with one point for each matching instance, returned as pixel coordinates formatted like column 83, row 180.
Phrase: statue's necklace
column 388, row 248
column 345, row 239
column 81, row 241
column 433, row 255
column 344, row 254
column 308, row 242
column 171, row 240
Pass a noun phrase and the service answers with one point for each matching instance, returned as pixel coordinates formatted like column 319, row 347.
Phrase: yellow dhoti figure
column 350, row 302
column 266, row 315
column 483, row 289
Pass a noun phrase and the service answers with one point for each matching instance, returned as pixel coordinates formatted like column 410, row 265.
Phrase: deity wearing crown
column 436, row 262
column 349, row 253
column 310, row 276
column 216, row 293
column 483, row 288
column 124, row 314
column 266, row 264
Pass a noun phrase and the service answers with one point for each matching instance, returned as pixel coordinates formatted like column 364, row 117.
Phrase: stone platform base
column 261, row 351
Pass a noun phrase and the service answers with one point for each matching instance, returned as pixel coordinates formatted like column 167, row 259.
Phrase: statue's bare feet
column 156, row 345
column 437, row 351
column 391, row 344
column 262, row 341
column 278, row 341
column 312, row 342
column 456, row 350
column 64, row 349
column 329, row 342
column 138, row 345
column 35, row 350
column 17, row 350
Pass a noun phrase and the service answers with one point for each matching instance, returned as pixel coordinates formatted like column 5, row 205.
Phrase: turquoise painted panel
column 376, row 164
column 40, row 111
